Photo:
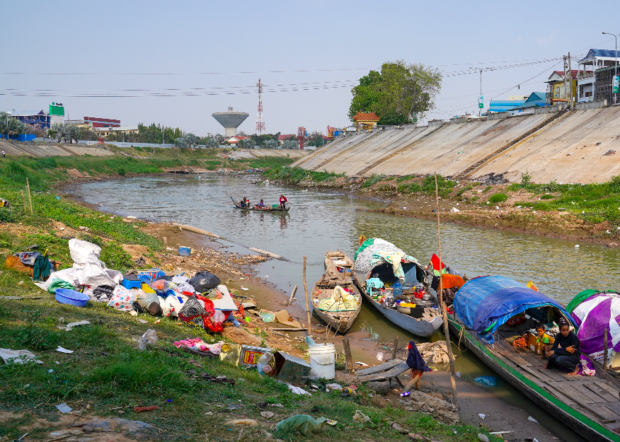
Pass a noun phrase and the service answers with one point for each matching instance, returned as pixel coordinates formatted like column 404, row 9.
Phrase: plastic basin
column 71, row 297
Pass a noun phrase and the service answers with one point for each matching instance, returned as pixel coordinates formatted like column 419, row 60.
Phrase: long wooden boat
column 423, row 325
column 589, row 405
column 266, row 209
column 339, row 321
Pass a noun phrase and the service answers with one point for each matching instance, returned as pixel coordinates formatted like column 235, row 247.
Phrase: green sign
column 615, row 84
column 480, row 105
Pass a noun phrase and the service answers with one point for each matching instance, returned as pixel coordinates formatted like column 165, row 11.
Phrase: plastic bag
column 80, row 251
column 122, row 299
column 218, row 317
column 148, row 338
column 266, row 365
column 59, row 284
column 203, row 281
column 303, row 423
column 486, row 381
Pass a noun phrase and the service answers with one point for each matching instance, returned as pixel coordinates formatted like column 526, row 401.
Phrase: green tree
column 271, row 144
column 397, row 93
column 290, row 144
column 246, row 143
column 316, row 139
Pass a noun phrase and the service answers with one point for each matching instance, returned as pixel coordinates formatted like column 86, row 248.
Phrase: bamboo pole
column 347, row 353
column 23, row 201
column 307, row 300
column 444, row 313
column 290, row 300
column 29, row 196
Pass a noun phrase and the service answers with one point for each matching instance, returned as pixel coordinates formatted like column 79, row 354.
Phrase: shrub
column 122, row 172
column 374, row 179
column 498, row 198
column 546, row 197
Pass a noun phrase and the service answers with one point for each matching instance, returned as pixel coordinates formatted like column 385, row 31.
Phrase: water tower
column 230, row 120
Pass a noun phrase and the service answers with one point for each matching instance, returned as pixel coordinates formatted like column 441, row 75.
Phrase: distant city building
column 283, row 138
column 105, row 131
column 57, row 113
column 536, row 99
column 604, row 84
column 506, row 105
column 78, row 123
column 101, row 122
column 586, row 78
column 33, row 118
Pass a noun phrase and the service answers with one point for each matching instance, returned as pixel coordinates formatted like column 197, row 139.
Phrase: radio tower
column 260, row 124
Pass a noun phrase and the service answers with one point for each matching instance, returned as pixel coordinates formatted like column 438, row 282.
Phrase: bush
column 122, row 172
column 547, row 197
column 374, row 179
column 498, row 198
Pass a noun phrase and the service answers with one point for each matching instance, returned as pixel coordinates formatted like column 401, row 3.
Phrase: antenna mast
column 260, row 124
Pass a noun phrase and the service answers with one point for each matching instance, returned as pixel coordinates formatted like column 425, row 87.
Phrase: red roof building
column 368, row 117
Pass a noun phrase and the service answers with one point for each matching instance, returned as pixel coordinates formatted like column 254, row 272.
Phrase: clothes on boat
column 340, row 301
column 373, row 283
column 415, row 360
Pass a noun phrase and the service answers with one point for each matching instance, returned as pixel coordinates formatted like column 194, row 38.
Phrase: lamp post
column 615, row 88
column 480, row 97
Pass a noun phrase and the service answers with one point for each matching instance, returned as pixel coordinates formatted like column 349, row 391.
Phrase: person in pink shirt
column 283, row 201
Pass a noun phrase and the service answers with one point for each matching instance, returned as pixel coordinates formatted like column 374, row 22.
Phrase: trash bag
column 302, row 423
column 59, row 284
column 204, row 281
column 122, row 299
column 148, row 338
column 198, row 313
column 486, row 381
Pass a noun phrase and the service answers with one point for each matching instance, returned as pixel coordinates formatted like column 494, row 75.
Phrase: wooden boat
column 425, row 319
column 589, row 405
column 330, row 287
column 266, row 209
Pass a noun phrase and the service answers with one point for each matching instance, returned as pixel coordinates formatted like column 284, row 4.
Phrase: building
column 234, row 140
column 101, row 122
column 536, row 99
column 556, row 90
column 506, row 105
column 366, row 120
column 78, row 123
column 33, row 118
column 105, row 131
column 586, row 78
column 603, row 85
column 57, row 113
column 286, row 137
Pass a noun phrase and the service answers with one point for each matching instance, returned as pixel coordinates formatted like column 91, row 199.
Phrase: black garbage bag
column 203, row 281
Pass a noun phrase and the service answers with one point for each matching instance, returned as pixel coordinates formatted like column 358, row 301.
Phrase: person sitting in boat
column 566, row 350
column 416, row 363
column 543, row 340
column 244, row 202
column 260, row 205
column 283, row 202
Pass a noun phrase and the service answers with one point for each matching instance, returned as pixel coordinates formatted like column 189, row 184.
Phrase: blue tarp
column 484, row 304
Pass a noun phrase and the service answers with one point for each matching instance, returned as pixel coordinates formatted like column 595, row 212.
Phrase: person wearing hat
column 416, row 363
column 283, row 202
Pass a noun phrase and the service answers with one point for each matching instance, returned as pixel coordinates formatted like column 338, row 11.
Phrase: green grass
column 374, row 179
column 593, row 203
column 498, row 198
column 463, row 190
column 294, row 175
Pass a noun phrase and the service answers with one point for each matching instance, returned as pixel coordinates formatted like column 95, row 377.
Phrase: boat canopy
column 597, row 314
column 486, row 303
column 376, row 251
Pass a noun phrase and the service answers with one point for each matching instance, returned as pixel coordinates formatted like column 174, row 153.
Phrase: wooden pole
column 307, row 300
column 444, row 313
column 290, row 300
column 23, row 200
column 347, row 354
column 605, row 356
column 29, row 196
column 395, row 351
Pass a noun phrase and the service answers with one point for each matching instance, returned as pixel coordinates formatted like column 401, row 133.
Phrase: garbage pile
column 200, row 301
column 434, row 352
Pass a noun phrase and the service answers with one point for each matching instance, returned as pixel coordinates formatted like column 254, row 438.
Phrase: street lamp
column 615, row 82
column 481, row 98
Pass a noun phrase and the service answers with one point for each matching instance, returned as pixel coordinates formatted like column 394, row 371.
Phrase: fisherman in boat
column 260, row 205
column 566, row 350
column 244, row 202
column 416, row 363
column 283, row 202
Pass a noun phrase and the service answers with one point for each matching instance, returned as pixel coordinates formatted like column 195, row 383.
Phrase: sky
column 177, row 62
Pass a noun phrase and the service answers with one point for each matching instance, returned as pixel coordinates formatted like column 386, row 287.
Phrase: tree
column 290, row 144
column 59, row 131
column 191, row 139
column 316, row 139
column 10, row 126
column 211, row 142
column 397, row 93
column 246, row 143
column 72, row 133
column 271, row 144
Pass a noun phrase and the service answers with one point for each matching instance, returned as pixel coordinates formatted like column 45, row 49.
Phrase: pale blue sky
column 191, row 36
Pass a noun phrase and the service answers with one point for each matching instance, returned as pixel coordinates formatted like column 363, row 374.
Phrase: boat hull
column 270, row 209
column 419, row 328
column 573, row 419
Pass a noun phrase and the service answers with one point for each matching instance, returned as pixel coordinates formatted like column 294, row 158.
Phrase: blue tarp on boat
column 484, row 304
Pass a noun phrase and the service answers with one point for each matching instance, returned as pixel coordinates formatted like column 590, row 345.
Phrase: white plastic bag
column 122, row 299
column 80, row 251
column 148, row 338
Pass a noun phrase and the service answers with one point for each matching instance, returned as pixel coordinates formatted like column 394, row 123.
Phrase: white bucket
column 322, row 361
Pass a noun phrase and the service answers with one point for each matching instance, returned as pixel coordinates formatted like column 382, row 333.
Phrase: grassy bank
column 106, row 375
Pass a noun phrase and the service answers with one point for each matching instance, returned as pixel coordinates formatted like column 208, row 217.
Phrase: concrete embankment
column 51, row 150
column 568, row 146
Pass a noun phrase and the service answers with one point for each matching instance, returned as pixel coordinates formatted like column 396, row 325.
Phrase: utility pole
column 570, row 83
column 481, row 97
column 565, row 78
column 616, row 81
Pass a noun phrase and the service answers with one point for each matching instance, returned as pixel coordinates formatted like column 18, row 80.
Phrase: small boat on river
column 491, row 312
column 335, row 298
column 266, row 209
column 397, row 285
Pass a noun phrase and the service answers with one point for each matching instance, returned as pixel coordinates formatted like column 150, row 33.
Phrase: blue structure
column 504, row 105
column 536, row 99
column 486, row 303
column 22, row 137
column 33, row 117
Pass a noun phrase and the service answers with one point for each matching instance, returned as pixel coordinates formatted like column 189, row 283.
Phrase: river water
column 319, row 221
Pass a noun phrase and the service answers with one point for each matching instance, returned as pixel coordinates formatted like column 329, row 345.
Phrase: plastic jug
column 397, row 289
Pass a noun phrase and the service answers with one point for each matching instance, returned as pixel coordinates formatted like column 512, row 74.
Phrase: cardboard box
column 531, row 343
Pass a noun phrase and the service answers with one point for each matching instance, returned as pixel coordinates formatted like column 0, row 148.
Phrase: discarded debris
column 243, row 422
column 64, row 350
column 149, row 408
column 17, row 356
column 70, row 326
column 303, row 423
column 267, row 414
column 64, row 408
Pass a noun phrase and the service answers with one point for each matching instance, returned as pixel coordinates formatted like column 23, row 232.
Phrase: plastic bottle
column 397, row 289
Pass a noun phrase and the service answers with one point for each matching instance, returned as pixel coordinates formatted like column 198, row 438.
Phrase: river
column 319, row 221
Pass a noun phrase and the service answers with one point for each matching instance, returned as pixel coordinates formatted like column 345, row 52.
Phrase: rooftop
column 361, row 116
column 600, row 53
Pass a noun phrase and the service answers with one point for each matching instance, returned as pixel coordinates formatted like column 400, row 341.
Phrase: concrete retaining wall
column 497, row 116
column 591, row 105
column 435, row 123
